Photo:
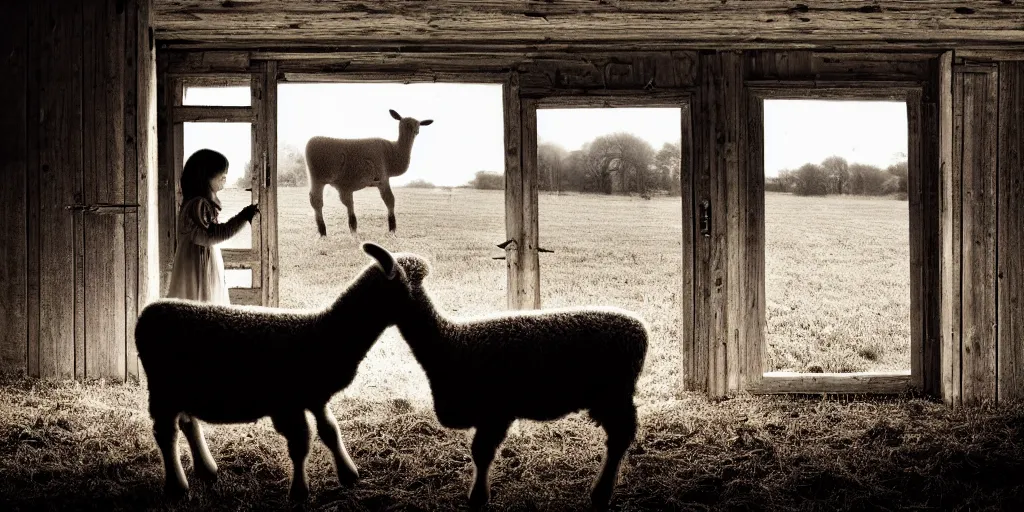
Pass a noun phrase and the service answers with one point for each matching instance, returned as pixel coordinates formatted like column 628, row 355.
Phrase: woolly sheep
column 235, row 364
column 354, row 164
column 541, row 365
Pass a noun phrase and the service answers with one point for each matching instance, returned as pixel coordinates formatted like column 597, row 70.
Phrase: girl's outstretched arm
column 206, row 231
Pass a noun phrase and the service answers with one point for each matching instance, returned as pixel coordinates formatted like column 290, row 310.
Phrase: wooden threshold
column 840, row 383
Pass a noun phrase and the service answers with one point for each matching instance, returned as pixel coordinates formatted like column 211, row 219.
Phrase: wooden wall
column 984, row 224
column 78, row 146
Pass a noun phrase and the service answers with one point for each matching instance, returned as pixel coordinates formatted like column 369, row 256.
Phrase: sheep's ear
column 383, row 257
column 395, row 115
column 426, row 122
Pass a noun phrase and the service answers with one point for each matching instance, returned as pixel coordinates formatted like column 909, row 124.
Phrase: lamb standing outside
column 488, row 372
column 232, row 364
column 354, row 164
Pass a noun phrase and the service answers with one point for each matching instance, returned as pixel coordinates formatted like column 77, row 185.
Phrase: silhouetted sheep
column 235, row 364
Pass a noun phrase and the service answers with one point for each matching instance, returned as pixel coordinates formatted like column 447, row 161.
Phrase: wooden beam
column 752, row 307
column 689, row 238
column 856, row 383
column 268, row 204
column 952, row 227
column 169, row 138
column 917, row 234
column 529, row 255
column 644, row 23
column 13, row 172
column 513, row 190
column 204, row 114
column 1010, row 234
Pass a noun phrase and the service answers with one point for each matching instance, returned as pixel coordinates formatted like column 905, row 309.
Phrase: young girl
column 198, row 271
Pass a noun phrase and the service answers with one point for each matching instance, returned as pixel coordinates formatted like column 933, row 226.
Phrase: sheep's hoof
column 478, row 498
column 175, row 491
column 298, row 493
column 206, row 474
column 348, row 477
column 599, row 499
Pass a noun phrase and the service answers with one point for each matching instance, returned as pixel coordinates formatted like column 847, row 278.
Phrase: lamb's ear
column 395, row 115
column 426, row 122
column 383, row 257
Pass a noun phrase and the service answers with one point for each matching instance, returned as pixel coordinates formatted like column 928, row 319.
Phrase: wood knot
column 799, row 8
column 963, row 10
column 870, row 9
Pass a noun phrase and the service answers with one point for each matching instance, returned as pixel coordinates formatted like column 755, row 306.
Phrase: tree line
column 834, row 175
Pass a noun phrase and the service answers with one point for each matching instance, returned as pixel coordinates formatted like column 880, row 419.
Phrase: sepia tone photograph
column 558, row 255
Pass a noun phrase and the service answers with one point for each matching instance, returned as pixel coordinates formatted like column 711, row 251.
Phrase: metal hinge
column 102, row 208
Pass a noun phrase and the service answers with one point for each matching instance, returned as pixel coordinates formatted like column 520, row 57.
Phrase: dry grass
column 89, row 447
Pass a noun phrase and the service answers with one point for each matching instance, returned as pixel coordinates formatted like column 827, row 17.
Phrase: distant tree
column 667, row 166
column 245, row 181
column 420, row 184
column 485, row 180
column 838, row 171
column 291, row 167
column 811, row 180
column 867, row 180
column 898, row 183
column 550, row 166
column 626, row 153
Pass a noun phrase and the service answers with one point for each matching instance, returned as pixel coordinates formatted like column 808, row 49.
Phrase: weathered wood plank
column 13, row 172
column 169, row 95
column 32, row 182
column 951, row 94
column 689, row 240
column 732, row 157
column 149, row 232
column 753, row 308
column 1010, row 235
column 866, row 383
column 836, row 66
column 513, row 190
column 268, row 207
column 258, row 157
column 211, row 114
column 979, row 231
column 700, row 364
column 725, row 126
column 915, row 214
column 530, row 262
column 246, row 296
column 930, row 173
column 104, row 180
column 57, row 37
column 812, row 24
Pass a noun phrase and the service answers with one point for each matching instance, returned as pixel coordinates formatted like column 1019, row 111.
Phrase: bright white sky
column 467, row 134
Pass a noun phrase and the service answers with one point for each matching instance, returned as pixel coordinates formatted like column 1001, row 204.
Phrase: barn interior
column 97, row 128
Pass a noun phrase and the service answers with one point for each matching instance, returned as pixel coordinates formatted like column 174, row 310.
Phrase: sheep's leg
column 202, row 461
column 346, row 199
column 389, row 201
column 294, row 428
column 165, row 431
column 316, row 200
column 327, row 429
column 620, row 425
column 485, row 446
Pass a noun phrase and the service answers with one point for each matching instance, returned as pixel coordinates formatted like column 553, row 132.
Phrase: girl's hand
column 249, row 212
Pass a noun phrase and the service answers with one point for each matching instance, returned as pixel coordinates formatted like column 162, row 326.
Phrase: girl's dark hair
column 199, row 169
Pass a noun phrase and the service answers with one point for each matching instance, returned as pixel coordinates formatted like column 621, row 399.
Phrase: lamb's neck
column 354, row 322
column 425, row 329
column 401, row 157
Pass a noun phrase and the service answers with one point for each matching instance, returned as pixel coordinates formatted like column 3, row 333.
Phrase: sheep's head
column 405, row 267
column 408, row 124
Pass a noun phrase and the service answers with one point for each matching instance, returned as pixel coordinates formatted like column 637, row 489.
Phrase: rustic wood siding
column 1010, row 232
column 977, row 158
column 75, row 144
column 13, row 171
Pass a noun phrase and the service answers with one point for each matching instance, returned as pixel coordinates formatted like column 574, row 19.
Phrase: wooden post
column 1010, row 235
column 513, row 191
column 529, row 255
column 267, row 146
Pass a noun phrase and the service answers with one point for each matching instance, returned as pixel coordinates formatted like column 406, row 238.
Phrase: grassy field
column 838, row 296
column 72, row 446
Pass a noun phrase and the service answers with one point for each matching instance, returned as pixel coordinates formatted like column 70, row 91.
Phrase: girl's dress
column 198, row 272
